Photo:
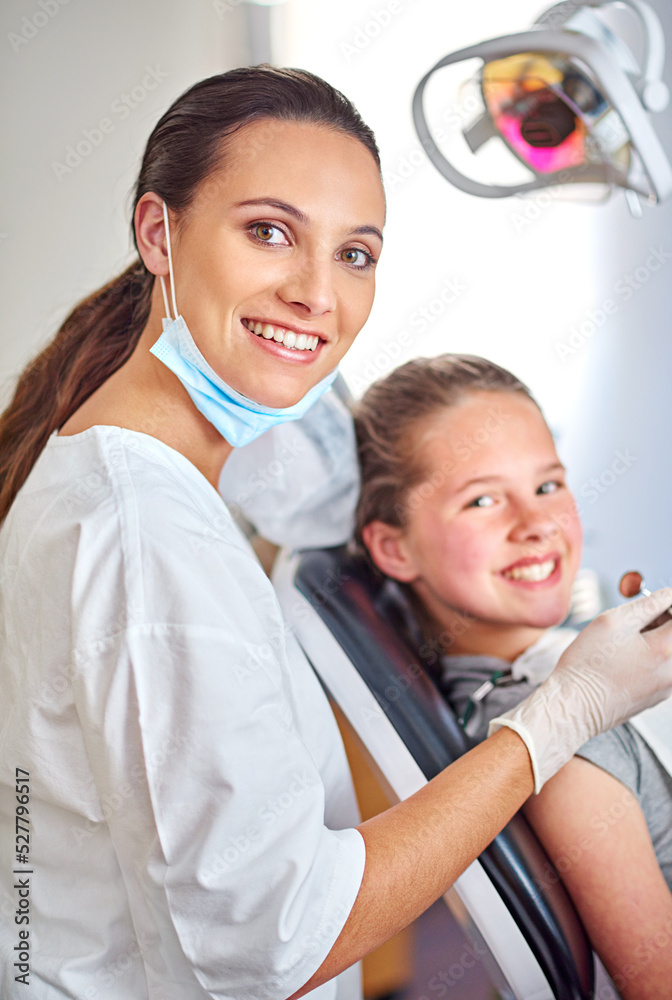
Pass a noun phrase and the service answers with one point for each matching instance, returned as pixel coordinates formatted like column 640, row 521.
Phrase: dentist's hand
column 611, row 671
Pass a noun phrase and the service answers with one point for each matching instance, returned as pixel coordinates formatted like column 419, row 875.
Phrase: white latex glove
column 611, row 671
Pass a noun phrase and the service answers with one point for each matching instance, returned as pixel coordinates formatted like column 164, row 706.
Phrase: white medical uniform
column 191, row 806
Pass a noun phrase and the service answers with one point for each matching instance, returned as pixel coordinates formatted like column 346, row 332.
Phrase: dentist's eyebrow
column 301, row 217
column 282, row 206
column 367, row 231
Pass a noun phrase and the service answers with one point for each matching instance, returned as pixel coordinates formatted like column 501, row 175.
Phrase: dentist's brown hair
column 187, row 145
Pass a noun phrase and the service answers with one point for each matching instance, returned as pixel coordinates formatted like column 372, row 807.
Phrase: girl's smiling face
column 492, row 540
column 274, row 260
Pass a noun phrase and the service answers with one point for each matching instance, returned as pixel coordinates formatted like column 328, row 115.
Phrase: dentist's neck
column 143, row 395
column 172, row 416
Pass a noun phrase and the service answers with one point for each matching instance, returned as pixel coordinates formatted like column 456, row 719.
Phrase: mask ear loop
column 170, row 269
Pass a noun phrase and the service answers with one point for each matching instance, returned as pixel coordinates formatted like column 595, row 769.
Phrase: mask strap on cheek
column 170, row 269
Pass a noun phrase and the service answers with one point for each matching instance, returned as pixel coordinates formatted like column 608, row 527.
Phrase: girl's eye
column 552, row 486
column 360, row 259
column 265, row 232
column 483, row 501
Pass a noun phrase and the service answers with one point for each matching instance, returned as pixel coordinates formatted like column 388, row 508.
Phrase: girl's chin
column 539, row 610
column 550, row 619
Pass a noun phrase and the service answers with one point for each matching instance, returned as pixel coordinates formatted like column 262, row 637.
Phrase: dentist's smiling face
column 274, row 260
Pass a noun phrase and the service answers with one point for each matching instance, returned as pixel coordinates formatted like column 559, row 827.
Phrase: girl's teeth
column 535, row 572
column 296, row 342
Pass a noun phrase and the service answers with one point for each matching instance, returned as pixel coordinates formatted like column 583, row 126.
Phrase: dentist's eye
column 266, row 233
column 552, row 486
column 359, row 259
column 483, row 501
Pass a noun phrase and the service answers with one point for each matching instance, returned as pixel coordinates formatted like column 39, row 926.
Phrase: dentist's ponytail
column 95, row 339
column 187, row 145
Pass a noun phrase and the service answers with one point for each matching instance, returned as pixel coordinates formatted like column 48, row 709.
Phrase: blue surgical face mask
column 237, row 418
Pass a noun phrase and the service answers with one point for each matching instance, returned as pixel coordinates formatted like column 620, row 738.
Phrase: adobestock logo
column 370, row 29
column 389, row 352
column 628, row 285
column 120, row 108
column 30, row 26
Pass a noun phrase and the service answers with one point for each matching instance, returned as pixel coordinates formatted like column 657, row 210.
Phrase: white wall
column 620, row 445
column 520, row 270
column 530, row 272
column 66, row 232
column 523, row 274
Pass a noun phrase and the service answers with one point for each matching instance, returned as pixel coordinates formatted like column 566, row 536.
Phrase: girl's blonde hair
column 387, row 419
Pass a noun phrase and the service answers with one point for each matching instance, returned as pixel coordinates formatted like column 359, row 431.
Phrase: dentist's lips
column 295, row 341
column 533, row 573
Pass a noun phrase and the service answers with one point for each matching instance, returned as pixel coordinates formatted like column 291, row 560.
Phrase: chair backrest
column 350, row 623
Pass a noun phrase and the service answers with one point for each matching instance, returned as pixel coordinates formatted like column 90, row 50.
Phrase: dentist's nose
column 310, row 287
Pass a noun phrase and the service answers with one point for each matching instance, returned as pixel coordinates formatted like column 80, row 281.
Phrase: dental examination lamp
column 566, row 99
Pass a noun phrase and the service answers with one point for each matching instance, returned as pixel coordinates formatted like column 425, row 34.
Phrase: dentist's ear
column 150, row 232
column 388, row 549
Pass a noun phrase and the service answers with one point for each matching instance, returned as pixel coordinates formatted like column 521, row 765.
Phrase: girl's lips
column 534, row 573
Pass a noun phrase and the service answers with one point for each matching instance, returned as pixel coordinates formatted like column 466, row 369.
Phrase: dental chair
column 351, row 625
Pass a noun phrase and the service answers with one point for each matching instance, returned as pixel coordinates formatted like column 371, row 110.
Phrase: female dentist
column 177, row 814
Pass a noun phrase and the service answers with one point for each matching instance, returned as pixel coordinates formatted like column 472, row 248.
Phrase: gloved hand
column 611, row 671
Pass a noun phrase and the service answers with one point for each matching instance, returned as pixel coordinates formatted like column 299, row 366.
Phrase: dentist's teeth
column 534, row 572
column 295, row 341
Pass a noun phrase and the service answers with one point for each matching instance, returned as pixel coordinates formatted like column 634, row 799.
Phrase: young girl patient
column 464, row 501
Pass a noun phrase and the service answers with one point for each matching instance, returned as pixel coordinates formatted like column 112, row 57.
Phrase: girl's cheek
column 571, row 516
column 564, row 510
column 475, row 551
